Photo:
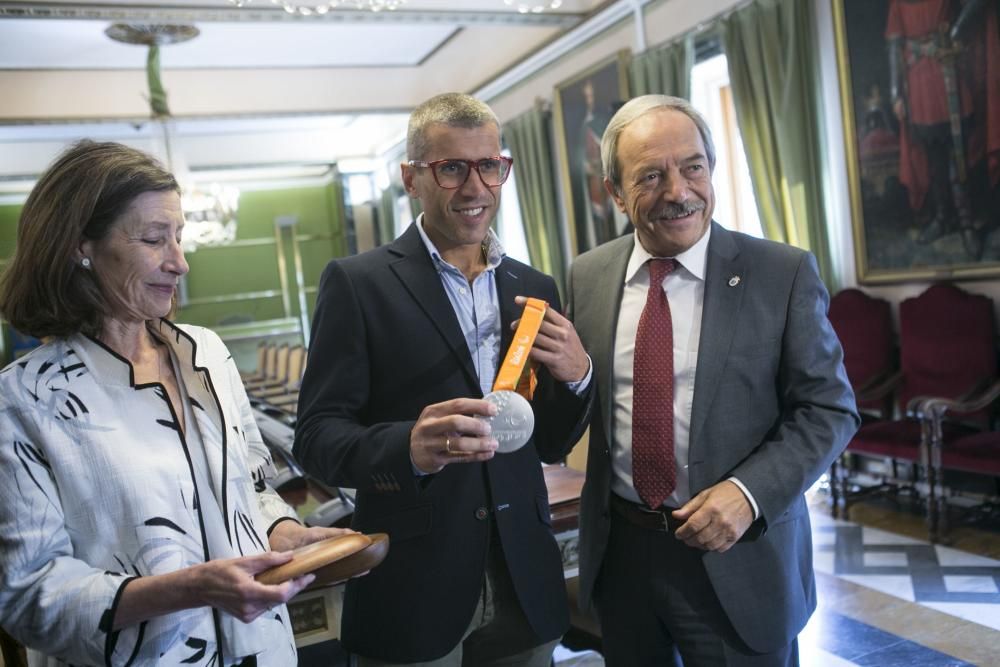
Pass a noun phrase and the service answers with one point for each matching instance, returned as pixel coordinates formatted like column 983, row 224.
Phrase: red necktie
column 653, row 466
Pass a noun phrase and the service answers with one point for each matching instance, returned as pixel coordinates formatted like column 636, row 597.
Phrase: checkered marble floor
column 887, row 600
column 938, row 577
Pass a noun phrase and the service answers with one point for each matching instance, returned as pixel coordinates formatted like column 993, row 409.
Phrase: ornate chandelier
column 209, row 210
column 533, row 7
column 323, row 8
column 522, row 6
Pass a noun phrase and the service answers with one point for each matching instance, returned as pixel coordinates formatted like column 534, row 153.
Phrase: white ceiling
column 70, row 35
column 257, row 85
column 33, row 44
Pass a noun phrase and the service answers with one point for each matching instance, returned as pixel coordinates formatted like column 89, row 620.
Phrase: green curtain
column 337, row 210
column 773, row 70
column 663, row 71
column 387, row 215
column 530, row 139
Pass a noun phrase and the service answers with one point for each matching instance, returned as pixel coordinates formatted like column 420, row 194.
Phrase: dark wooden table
column 564, row 485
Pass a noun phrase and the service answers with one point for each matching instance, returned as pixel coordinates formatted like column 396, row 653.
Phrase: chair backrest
column 296, row 366
column 261, row 358
column 946, row 343
column 281, row 364
column 271, row 361
column 864, row 325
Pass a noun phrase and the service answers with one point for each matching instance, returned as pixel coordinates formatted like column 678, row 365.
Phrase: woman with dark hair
column 134, row 505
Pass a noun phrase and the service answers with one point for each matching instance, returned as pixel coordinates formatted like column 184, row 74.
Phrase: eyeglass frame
column 472, row 164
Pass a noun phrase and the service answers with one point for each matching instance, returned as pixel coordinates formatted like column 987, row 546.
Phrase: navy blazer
column 385, row 344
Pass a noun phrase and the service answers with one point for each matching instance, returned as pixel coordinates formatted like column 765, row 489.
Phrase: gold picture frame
column 908, row 223
column 583, row 106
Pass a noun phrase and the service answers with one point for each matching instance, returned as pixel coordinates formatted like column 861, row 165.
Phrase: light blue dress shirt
column 476, row 306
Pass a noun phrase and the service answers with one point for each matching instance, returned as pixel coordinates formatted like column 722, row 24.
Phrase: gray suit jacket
column 772, row 406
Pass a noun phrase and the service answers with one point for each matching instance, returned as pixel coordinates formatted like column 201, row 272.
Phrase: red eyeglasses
column 451, row 174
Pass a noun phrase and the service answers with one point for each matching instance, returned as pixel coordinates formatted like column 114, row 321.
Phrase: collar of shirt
column 693, row 260
column 493, row 250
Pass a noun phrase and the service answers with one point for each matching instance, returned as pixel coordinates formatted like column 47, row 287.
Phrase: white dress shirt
column 685, row 290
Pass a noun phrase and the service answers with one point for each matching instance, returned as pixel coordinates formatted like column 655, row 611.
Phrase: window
column 510, row 226
column 735, row 206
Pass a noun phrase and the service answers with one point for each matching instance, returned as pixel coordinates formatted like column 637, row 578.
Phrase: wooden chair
column 258, row 373
column 974, row 453
column 864, row 326
column 294, row 367
column 266, row 368
column 946, row 341
column 279, row 372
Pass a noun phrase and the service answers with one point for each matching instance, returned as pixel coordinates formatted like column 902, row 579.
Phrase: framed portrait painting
column 920, row 94
column 583, row 107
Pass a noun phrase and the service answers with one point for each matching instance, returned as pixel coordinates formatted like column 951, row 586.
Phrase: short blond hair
column 452, row 109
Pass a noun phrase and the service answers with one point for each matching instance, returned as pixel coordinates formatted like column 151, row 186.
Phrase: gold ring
column 447, row 444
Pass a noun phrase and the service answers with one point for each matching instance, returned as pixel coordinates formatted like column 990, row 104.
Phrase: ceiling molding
column 267, row 13
column 591, row 28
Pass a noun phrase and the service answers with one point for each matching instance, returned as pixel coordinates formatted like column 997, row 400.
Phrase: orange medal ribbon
column 511, row 376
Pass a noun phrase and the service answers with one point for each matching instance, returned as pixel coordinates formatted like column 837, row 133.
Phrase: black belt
column 642, row 516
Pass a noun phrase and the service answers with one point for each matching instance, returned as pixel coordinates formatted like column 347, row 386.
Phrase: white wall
column 664, row 20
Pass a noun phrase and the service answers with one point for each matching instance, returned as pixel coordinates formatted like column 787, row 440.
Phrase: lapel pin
column 734, row 281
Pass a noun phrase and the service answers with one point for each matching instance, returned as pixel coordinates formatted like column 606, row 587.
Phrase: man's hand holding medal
column 467, row 430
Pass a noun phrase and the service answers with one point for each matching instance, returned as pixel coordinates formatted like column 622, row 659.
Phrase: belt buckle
column 660, row 513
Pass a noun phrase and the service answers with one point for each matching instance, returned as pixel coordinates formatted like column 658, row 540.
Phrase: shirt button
column 461, row 290
column 482, row 513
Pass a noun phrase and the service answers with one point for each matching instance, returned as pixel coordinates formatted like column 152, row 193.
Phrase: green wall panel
column 310, row 205
column 9, row 214
column 315, row 256
column 231, row 312
column 232, row 269
column 220, row 271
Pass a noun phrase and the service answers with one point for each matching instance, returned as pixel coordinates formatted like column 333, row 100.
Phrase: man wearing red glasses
column 407, row 339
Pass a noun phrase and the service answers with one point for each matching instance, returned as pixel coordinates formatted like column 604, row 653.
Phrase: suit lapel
column 720, row 310
column 609, row 283
column 509, row 284
column 416, row 271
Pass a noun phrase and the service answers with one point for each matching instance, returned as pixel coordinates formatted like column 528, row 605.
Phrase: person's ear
column 408, row 172
column 615, row 194
column 84, row 253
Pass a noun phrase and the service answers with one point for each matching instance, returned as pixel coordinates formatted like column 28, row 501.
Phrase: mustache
column 675, row 210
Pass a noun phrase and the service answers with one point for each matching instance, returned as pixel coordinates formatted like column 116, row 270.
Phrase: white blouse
column 99, row 485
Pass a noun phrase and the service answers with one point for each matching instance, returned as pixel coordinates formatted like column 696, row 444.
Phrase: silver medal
column 514, row 422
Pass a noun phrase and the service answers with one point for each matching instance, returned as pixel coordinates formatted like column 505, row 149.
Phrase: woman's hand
column 289, row 535
column 229, row 585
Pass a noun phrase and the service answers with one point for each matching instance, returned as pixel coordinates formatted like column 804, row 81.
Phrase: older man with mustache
column 721, row 397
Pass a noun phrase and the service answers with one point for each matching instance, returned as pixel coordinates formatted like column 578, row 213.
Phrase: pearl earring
column 85, row 262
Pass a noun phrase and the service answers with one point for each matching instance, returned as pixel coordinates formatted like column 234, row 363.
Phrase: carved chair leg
column 932, row 508
column 843, row 482
column 835, row 487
